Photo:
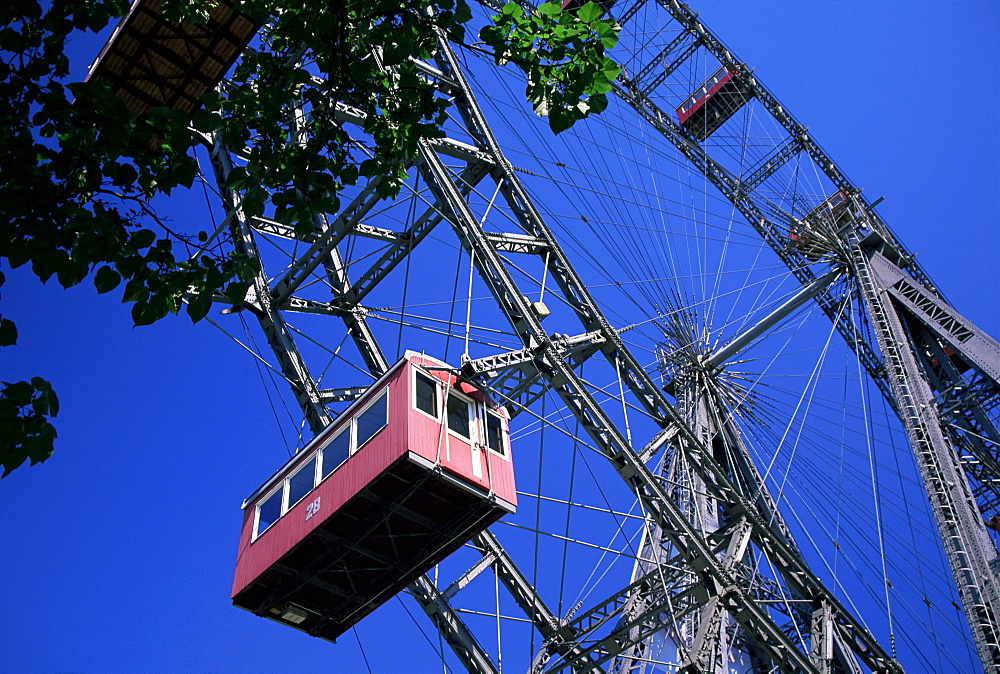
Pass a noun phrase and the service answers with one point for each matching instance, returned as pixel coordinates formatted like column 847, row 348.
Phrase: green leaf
column 512, row 9
column 135, row 290
column 589, row 12
column 144, row 238
column 597, row 103
column 247, row 269
column 45, row 389
column 8, row 332
column 560, row 120
column 19, row 393
column 549, row 9
column 41, row 446
column 199, row 306
column 143, row 314
column 106, row 279
column 125, row 175
column 205, row 120
column 238, row 178
column 212, row 99
column 463, row 14
column 600, row 86
column 12, row 458
column 237, row 291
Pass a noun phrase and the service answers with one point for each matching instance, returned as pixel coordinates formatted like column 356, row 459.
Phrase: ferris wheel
column 747, row 431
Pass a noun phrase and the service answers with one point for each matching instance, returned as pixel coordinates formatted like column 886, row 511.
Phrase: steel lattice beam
column 966, row 543
column 912, row 292
column 561, row 378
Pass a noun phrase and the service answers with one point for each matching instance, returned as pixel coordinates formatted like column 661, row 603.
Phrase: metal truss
column 967, row 545
column 704, row 573
column 946, row 402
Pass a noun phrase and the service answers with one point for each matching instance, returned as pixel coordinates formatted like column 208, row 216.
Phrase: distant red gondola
column 715, row 101
column 831, row 213
column 410, row 472
column 573, row 5
column 815, row 235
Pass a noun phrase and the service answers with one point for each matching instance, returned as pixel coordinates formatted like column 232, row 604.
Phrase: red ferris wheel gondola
column 411, row 471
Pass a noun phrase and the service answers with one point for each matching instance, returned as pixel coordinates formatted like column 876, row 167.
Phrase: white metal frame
column 473, row 416
column 439, row 398
column 355, row 446
column 504, row 435
column 288, row 481
column 280, row 487
column 322, row 464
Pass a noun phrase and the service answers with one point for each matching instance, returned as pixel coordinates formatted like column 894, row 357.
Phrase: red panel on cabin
column 416, row 490
column 714, row 102
column 573, row 5
column 684, row 114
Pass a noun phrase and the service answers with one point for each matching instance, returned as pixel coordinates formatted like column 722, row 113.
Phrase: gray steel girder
column 966, row 543
column 602, row 431
column 976, row 347
column 293, row 366
column 451, row 627
column 563, row 380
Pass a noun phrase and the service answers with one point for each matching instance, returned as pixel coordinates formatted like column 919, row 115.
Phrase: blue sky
column 117, row 553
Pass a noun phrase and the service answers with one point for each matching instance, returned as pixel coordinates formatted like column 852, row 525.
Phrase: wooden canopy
column 152, row 62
